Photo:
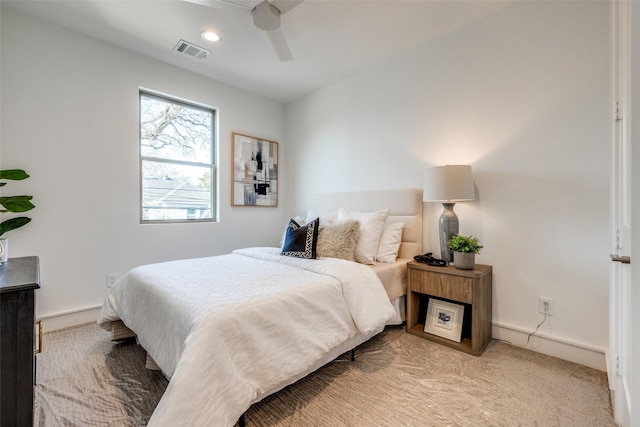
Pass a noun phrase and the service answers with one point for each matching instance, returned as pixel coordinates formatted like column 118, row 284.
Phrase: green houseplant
column 464, row 249
column 15, row 204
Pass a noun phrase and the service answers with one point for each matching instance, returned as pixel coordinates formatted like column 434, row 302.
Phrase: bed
column 405, row 207
column 272, row 319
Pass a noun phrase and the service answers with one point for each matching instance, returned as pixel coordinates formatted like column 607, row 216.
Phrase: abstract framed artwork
column 255, row 171
column 444, row 319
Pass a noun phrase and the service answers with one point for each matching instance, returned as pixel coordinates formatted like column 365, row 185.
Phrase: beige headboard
column 405, row 205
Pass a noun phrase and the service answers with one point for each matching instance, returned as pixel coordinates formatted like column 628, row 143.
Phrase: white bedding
column 230, row 329
column 393, row 277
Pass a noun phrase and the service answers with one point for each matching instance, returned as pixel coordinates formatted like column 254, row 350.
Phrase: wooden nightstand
column 469, row 287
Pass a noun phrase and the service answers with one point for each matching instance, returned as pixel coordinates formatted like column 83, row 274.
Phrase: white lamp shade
column 450, row 183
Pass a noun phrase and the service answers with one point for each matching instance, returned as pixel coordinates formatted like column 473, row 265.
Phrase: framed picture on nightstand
column 444, row 319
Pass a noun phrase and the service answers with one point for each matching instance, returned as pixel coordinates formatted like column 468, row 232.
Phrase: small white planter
column 464, row 261
column 4, row 249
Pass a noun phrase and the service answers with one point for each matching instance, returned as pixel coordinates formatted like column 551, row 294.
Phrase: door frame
column 620, row 289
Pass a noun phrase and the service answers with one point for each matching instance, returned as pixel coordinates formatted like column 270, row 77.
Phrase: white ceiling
column 329, row 39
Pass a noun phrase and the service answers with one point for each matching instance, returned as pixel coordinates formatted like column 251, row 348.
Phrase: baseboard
column 561, row 348
column 552, row 346
column 52, row 322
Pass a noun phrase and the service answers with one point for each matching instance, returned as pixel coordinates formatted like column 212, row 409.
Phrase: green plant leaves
column 20, row 203
column 16, row 203
column 13, row 174
column 465, row 244
column 13, row 223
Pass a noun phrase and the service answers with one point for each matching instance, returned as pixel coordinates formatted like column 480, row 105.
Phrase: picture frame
column 444, row 319
column 255, row 171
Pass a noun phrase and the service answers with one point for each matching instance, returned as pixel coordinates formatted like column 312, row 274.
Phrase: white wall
column 70, row 118
column 522, row 96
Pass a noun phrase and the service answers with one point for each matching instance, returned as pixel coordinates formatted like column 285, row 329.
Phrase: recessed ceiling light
column 210, row 36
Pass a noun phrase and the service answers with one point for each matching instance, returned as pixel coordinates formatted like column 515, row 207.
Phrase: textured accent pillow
column 339, row 240
column 390, row 243
column 301, row 241
column 371, row 227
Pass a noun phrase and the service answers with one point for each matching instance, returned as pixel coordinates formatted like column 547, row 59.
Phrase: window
column 177, row 163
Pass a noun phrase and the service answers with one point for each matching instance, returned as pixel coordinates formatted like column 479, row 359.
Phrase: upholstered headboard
column 405, row 205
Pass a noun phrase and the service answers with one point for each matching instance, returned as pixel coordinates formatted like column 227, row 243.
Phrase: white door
column 620, row 291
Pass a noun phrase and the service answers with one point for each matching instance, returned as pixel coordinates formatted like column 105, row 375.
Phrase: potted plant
column 464, row 250
column 16, row 204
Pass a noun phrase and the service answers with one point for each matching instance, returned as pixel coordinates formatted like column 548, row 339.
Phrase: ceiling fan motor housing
column 266, row 17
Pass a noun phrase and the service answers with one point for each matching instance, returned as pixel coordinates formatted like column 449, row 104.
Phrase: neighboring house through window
column 177, row 160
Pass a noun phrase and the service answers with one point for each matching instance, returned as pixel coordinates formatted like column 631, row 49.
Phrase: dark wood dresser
column 19, row 278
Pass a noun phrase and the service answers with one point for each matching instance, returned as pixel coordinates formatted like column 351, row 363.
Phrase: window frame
column 212, row 166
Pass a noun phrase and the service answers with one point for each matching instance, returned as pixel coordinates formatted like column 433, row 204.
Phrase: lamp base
column 448, row 226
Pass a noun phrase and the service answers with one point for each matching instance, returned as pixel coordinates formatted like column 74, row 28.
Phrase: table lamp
column 448, row 184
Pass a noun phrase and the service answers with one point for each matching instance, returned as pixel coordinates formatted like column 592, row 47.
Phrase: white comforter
column 231, row 328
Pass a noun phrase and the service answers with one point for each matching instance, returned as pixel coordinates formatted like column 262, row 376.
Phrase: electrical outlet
column 545, row 306
column 111, row 279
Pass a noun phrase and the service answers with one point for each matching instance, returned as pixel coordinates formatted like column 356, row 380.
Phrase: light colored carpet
column 397, row 379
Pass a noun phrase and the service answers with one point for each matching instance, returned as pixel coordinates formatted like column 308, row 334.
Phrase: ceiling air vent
column 191, row 49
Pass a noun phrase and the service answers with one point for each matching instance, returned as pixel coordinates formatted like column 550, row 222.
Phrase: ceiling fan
column 266, row 16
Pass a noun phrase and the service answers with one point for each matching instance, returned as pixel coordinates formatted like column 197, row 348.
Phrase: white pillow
column 371, row 227
column 390, row 243
column 326, row 217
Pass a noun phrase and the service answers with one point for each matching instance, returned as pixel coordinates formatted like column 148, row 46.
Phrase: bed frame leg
column 241, row 421
column 353, row 354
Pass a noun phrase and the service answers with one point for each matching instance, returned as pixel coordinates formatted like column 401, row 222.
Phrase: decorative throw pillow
column 339, row 240
column 300, row 222
column 326, row 217
column 301, row 241
column 390, row 243
column 371, row 227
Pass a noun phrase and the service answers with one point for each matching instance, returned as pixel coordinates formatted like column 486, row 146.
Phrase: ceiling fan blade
column 228, row 6
column 280, row 45
column 285, row 6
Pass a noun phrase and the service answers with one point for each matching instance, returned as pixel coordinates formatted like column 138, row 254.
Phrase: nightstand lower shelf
column 464, row 345
column 471, row 288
